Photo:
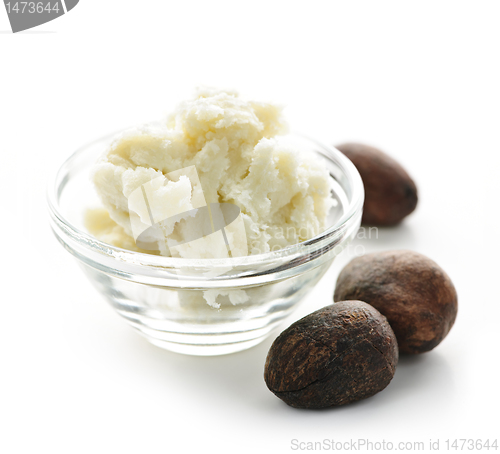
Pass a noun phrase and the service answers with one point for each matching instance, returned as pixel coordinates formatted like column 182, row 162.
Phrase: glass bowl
column 164, row 298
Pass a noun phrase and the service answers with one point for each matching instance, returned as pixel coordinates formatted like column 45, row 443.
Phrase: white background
column 418, row 79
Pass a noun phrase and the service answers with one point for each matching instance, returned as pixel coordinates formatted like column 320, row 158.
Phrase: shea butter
column 214, row 149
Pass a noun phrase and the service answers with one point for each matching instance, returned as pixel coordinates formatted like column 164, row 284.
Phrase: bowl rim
column 87, row 241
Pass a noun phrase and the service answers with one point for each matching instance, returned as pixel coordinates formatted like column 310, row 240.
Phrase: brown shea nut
column 413, row 292
column 339, row 354
column 390, row 193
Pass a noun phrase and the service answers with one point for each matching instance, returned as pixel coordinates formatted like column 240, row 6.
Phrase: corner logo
column 25, row 15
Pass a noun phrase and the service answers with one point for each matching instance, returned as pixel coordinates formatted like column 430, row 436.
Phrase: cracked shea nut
column 337, row 355
column 390, row 193
column 413, row 292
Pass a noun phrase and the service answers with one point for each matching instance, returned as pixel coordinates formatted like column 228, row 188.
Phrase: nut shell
column 412, row 291
column 390, row 193
column 339, row 354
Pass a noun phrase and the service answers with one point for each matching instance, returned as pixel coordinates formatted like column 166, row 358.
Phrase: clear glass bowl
column 163, row 297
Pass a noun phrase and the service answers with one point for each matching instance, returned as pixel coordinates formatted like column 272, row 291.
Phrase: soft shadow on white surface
column 237, row 377
column 402, row 236
column 421, row 378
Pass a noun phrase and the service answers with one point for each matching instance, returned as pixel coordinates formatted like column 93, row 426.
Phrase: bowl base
column 205, row 344
column 206, row 350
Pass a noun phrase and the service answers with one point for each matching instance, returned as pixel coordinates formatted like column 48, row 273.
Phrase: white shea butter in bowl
column 204, row 231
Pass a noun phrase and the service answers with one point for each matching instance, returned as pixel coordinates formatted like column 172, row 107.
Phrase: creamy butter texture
column 215, row 148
